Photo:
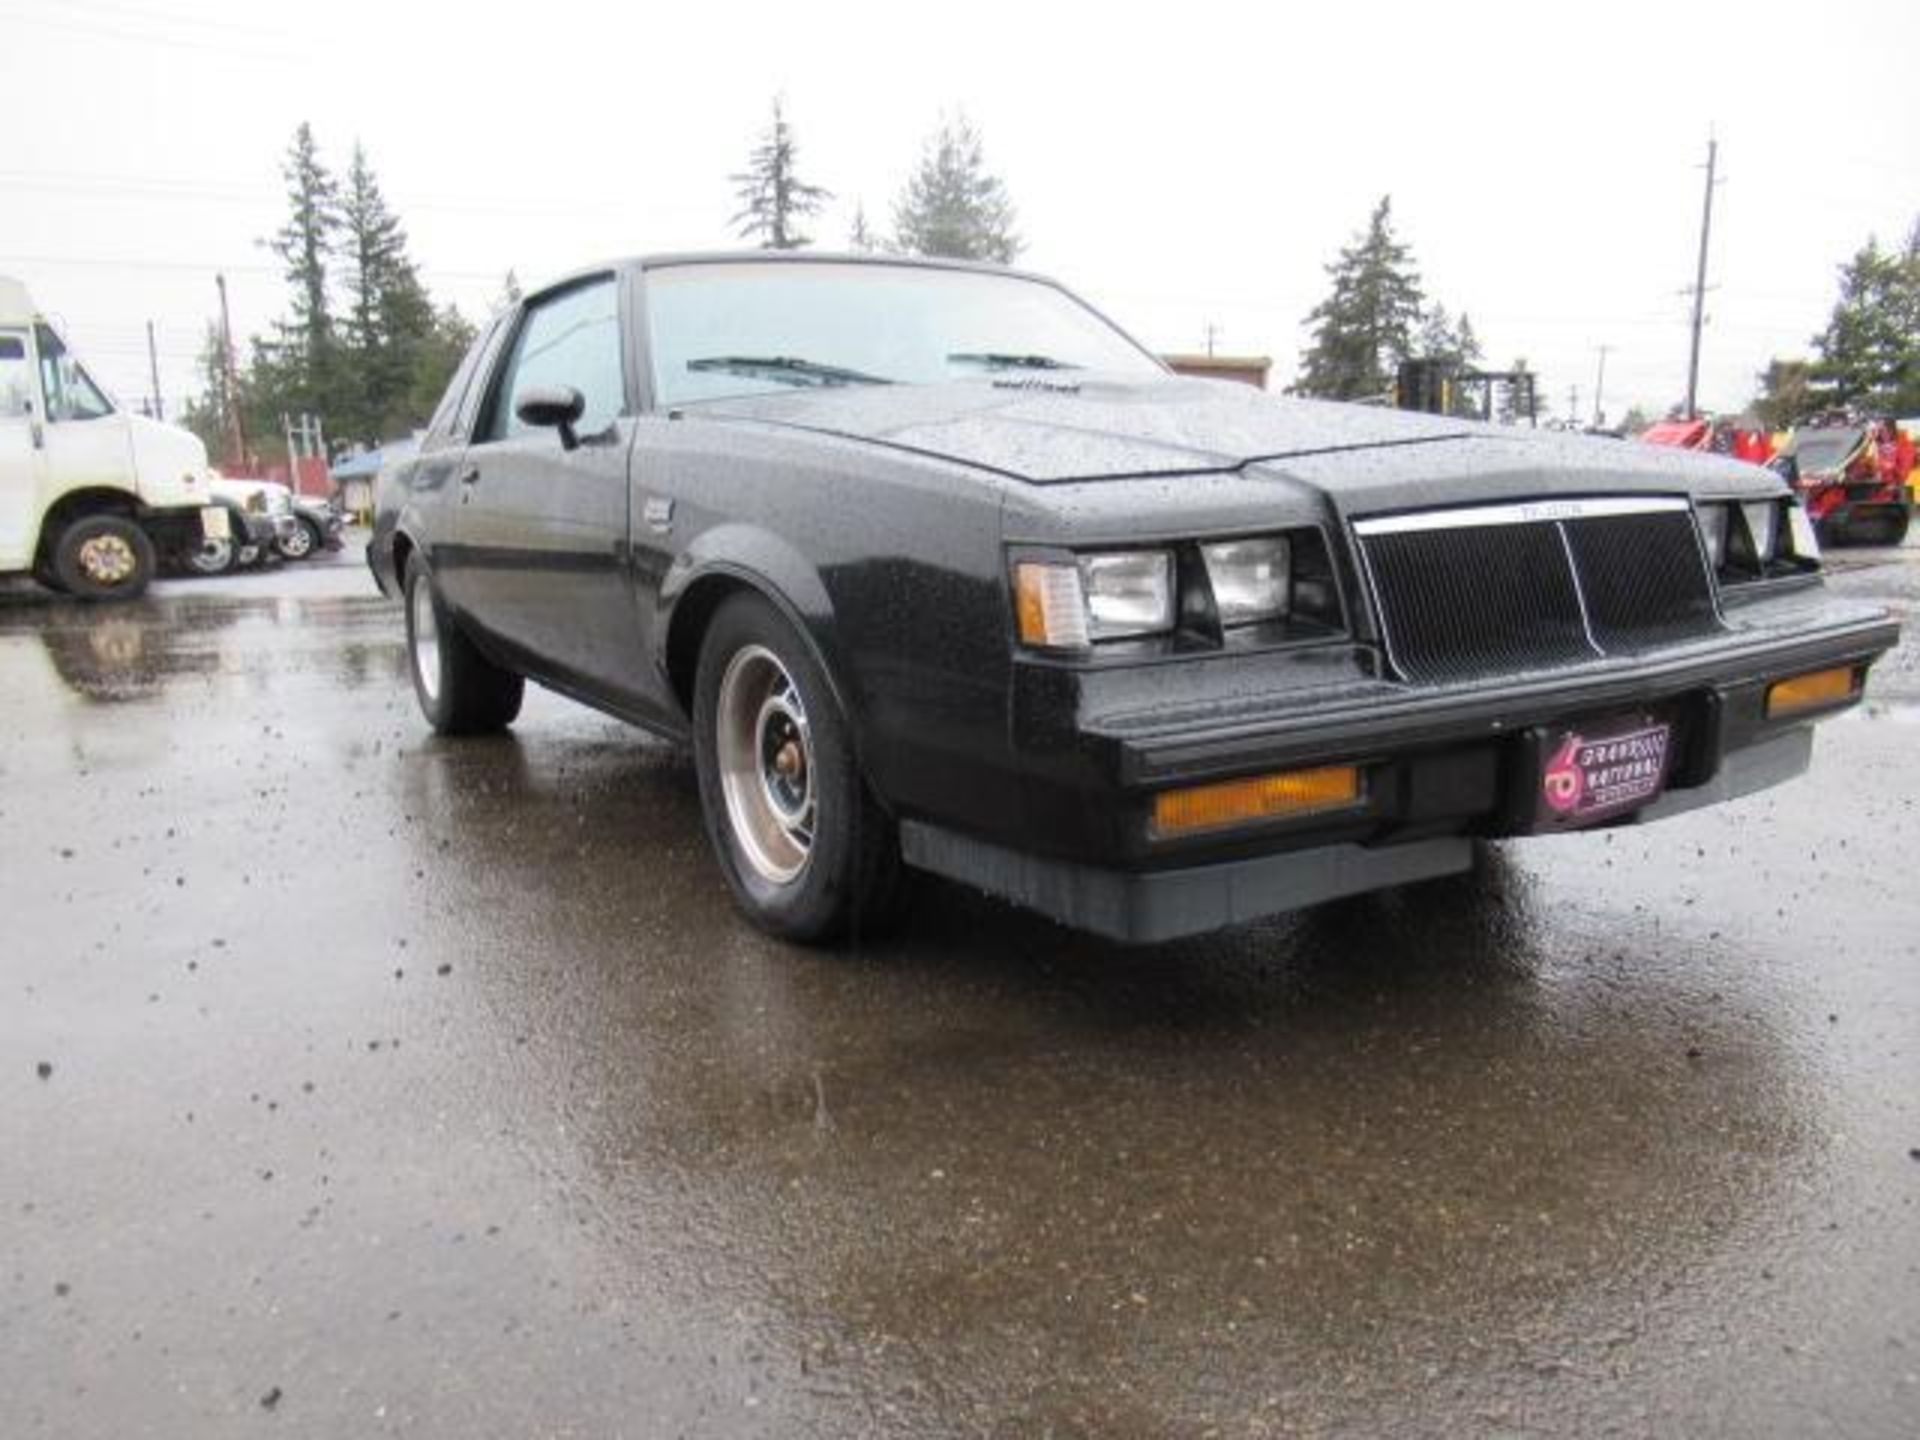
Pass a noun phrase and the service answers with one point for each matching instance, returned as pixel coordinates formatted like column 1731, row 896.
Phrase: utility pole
column 1599, row 389
column 1573, row 404
column 236, row 427
column 153, row 372
column 1700, row 284
column 1213, row 334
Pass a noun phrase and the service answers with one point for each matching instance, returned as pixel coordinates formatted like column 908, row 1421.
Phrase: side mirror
column 556, row 406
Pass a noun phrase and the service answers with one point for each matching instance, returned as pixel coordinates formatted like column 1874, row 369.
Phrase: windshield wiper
column 787, row 369
column 997, row 360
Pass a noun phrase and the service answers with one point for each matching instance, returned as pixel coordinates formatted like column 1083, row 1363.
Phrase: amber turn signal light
column 1811, row 691
column 1263, row 797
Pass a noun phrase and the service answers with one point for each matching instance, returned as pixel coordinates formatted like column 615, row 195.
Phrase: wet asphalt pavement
column 355, row 1083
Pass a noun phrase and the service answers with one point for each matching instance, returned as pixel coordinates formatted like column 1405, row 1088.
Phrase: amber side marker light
column 1809, row 692
column 1263, row 797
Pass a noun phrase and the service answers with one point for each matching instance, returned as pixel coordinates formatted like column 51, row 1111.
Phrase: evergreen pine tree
column 773, row 198
column 308, row 343
column 952, row 206
column 1869, row 353
column 389, row 318
column 1365, row 327
column 860, row 236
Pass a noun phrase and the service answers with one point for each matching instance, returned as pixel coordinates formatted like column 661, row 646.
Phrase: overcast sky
column 1181, row 165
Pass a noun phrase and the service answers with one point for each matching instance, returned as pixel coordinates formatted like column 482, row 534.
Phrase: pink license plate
column 1601, row 772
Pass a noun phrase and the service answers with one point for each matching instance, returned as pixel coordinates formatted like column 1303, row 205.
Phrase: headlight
column 1129, row 592
column 1106, row 596
column 1715, row 520
column 1762, row 521
column 1250, row 578
column 1806, row 544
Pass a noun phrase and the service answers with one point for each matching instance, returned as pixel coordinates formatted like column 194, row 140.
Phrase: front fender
column 738, row 553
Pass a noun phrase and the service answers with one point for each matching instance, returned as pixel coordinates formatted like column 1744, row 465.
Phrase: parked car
column 318, row 525
column 259, row 523
column 92, row 498
column 932, row 563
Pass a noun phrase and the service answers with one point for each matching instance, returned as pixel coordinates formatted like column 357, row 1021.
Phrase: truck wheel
column 805, row 849
column 103, row 557
column 1893, row 529
column 461, row 692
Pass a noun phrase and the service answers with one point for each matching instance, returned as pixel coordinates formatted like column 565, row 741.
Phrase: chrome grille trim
column 1527, row 512
column 1466, row 593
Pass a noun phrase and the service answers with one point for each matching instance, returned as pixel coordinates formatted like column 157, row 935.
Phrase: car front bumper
column 1443, row 767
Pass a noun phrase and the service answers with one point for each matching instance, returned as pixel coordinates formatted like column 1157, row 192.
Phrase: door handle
column 470, row 475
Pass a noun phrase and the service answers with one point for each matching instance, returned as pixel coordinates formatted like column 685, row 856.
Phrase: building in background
column 1247, row 369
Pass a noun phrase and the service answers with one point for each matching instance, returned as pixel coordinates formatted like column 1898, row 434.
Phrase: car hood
column 1092, row 427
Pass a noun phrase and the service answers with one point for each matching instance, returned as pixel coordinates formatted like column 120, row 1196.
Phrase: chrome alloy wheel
column 299, row 542
column 426, row 639
column 765, row 752
column 108, row 560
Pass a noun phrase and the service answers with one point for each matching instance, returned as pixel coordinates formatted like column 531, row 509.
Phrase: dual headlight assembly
column 1074, row 603
column 1750, row 539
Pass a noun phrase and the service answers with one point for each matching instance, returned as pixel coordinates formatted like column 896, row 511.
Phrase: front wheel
column 805, row 849
column 211, row 556
column 301, row 541
column 103, row 557
column 461, row 692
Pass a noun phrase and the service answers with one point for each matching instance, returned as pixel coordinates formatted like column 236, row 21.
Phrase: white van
column 91, row 498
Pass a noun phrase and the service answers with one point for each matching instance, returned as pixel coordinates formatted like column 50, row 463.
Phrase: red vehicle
column 1853, row 481
column 1753, row 446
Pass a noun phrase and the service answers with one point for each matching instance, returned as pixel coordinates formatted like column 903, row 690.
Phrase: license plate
column 1602, row 771
column 214, row 523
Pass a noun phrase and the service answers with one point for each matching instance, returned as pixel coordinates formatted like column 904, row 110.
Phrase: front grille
column 1469, row 593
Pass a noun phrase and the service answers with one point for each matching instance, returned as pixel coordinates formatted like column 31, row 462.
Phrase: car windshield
column 743, row 328
column 1821, row 450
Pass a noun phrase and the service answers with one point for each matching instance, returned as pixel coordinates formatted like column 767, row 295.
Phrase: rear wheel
column 103, row 557
column 461, row 692
column 805, row 849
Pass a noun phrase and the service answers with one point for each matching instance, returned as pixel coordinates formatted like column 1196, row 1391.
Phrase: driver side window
column 71, row 395
column 16, row 377
column 572, row 338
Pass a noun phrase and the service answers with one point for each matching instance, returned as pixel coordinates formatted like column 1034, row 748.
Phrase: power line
column 101, row 31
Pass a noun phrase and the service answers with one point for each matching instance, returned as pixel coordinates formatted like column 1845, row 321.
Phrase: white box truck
column 92, row 498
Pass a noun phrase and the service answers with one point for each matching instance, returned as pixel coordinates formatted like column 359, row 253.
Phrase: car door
column 84, row 440
column 542, row 529
column 21, row 437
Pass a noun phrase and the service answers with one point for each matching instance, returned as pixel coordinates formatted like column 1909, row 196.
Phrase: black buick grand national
column 932, row 564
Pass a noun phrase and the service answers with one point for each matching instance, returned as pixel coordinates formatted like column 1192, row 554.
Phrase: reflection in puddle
column 986, row 1162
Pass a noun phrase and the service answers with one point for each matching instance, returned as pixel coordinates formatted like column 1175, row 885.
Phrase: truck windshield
column 71, row 395
column 741, row 328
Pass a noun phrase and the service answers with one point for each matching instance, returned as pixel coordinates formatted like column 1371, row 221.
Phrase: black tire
column 1892, row 529
column 848, row 877
column 103, row 557
column 211, row 557
column 305, row 542
column 461, row 692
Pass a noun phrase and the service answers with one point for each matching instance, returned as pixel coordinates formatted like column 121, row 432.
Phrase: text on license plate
column 1589, row 777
